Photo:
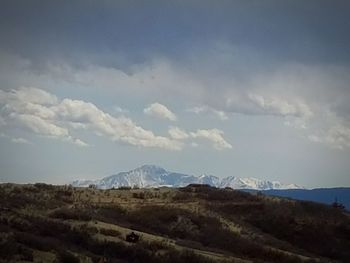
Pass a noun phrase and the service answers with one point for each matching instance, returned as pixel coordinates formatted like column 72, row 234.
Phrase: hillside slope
column 44, row 223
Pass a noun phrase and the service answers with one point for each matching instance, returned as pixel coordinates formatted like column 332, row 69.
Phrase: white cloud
column 213, row 135
column 35, row 95
column 205, row 109
column 197, row 110
column 47, row 116
column 160, row 111
column 20, row 140
column 274, row 105
column 337, row 137
column 178, row 134
column 194, row 144
column 52, row 128
column 80, row 143
column 260, row 94
column 297, row 123
column 28, row 95
column 284, row 90
column 293, row 92
column 118, row 129
column 39, row 125
column 118, row 109
column 221, row 115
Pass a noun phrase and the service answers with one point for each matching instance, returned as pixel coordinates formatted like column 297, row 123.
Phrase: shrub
column 110, row 232
column 67, row 257
column 10, row 248
column 66, row 213
column 111, row 213
column 182, row 195
column 43, row 186
column 185, row 256
column 35, row 241
column 214, row 194
column 124, row 188
column 140, row 195
column 155, row 246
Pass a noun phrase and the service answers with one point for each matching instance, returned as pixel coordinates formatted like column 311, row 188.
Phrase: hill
column 197, row 223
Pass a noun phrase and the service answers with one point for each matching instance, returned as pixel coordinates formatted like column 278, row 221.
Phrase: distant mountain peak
column 150, row 168
column 150, row 175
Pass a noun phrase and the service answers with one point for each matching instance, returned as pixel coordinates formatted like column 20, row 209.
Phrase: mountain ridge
column 149, row 176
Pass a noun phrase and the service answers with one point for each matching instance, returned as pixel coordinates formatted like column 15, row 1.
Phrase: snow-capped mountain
column 155, row 176
column 209, row 179
column 254, row 183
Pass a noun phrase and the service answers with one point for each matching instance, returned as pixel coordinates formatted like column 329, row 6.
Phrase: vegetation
column 193, row 224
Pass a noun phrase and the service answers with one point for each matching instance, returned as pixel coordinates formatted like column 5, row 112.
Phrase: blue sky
column 244, row 88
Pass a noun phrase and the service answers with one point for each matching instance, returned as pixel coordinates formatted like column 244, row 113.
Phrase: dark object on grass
column 132, row 237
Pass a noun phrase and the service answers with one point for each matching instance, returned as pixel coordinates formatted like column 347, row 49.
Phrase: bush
column 67, row 257
column 43, row 186
column 214, row 194
column 10, row 248
column 110, row 232
column 183, row 195
column 124, row 188
column 300, row 225
column 140, row 195
column 155, row 246
column 111, row 214
column 185, row 256
column 37, row 242
column 66, row 213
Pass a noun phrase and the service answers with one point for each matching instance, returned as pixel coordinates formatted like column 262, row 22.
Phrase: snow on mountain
column 144, row 176
column 83, row 183
column 254, row 183
column 209, row 179
column 155, row 176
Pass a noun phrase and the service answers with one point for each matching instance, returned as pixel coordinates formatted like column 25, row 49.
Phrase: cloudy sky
column 247, row 88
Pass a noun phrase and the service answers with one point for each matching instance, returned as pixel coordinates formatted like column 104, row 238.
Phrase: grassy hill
column 45, row 223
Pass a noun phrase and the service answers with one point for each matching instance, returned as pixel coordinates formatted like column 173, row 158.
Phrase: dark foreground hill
column 44, row 223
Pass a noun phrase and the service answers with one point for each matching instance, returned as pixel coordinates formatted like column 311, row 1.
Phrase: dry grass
column 199, row 225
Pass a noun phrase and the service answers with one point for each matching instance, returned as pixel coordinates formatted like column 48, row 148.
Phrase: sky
column 244, row 88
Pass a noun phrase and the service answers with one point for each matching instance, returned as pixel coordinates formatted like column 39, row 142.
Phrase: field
column 45, row 223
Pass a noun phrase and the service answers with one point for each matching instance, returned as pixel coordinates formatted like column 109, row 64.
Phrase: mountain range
column 148, row 176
